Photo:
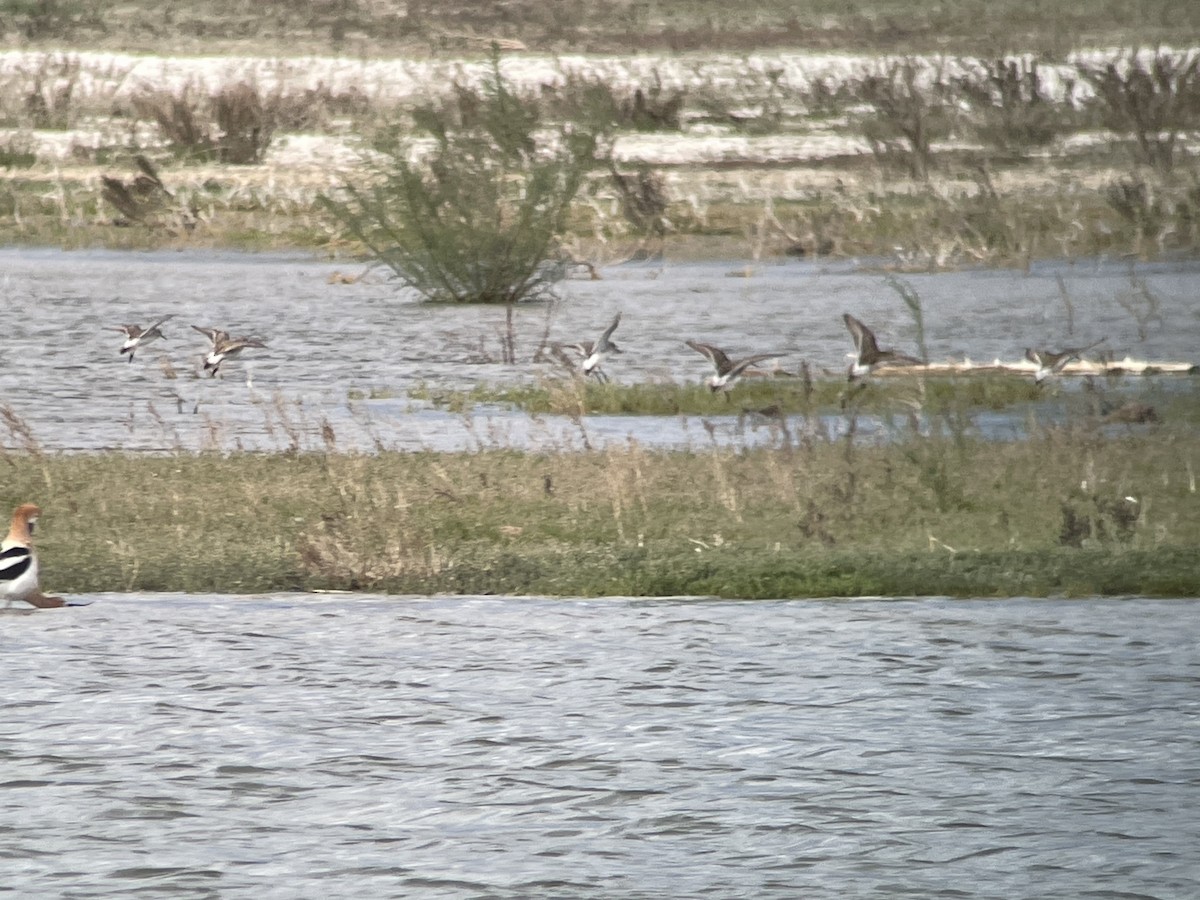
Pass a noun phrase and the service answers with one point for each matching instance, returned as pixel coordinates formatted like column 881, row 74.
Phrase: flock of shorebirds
column 19, row 563
column 868, row 356
column 224, row 345
column 19, row 581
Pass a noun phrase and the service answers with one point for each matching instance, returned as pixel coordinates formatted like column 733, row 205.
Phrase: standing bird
column 593, row 353
column 19, row 564
column 867, row 355
column 727, row 370
column 1051, row 363
column 224, row 347
column 135, row 336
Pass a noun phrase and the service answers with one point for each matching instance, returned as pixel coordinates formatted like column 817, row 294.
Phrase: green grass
column 935, row 515
column 787, row 395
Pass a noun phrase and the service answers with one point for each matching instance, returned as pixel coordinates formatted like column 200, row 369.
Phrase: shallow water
column 61, row 374
column 286, row 746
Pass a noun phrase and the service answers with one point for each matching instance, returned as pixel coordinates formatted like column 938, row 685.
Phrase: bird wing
column 603, row 342
column 1075, row 351
column 716, row 355
column 216, row 335
column 235, row 344
column 155, row 326
column 864, row 338
column 14, row 562
column 743, row 364
column 583, row 348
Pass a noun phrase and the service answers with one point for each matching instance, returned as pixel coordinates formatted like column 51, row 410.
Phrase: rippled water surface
column 303, row 746
column 350, row 355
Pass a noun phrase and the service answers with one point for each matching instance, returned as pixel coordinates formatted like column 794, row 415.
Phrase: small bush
column 643, row 200
column 48, row 103
column 479, row 218
column 314, row 109
column 908, row 115
column 1156, row 213
column 756, row 112
column 1154, row 99
column 244, row 124
column 178, row 118
column 1010, row 107
column 649, row 108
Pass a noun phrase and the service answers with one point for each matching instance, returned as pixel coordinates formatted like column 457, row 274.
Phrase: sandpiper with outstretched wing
column 136, row 336
column 600, row 349
column 727, row 371
column 224, row 347
column 592, row 353
column 1051, row 362
column 867, row 356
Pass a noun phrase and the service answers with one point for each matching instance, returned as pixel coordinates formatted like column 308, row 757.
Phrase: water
column 330, row 343
column 303, row 746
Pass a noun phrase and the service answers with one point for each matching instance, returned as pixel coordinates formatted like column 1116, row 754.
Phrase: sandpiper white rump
column 1052, row 362
column 867, row 355
column 224, row 347
column 136, row 336
column 727, row 371
column 593, row 353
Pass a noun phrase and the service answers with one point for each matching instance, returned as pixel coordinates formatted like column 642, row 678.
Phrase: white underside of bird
column 18, row 573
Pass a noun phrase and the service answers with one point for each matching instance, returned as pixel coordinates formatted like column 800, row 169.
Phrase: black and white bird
column 867, row 355
column 727, row 371
column 136, row 336
column 225, row 347
column 19, row 563
column 1051, row 362
column 593, row 353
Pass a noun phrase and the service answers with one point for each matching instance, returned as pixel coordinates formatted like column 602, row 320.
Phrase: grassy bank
column 908, row 227
column 1068, row 512
column 778, row 393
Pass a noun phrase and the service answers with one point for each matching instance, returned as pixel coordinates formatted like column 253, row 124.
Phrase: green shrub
column 478, row 217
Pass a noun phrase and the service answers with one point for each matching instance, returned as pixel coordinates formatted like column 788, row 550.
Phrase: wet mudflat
column 299, row 745
column 349, row 354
